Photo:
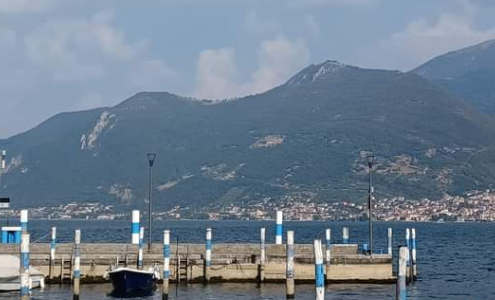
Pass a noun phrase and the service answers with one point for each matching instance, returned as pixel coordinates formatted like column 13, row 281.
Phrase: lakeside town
column 474, row 206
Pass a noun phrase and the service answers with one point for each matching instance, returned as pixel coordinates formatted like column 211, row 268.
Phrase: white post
column 24, row 220
column 140, row 249
column 328, row 236
column 135, row 227
column 24, row 268
column 52, row 253
column 413, row 254
column 389, row 241
column 278, row 228
column 208, row 255
column 289, row 275
column 408, row 257
column 401, row 292
column 77, row 263
column 262, row 254
column 319, row 279
column 345, row 235
column 166, row 263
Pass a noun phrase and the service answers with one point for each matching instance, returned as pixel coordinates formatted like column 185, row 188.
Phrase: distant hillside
column 469, row 73
column 306, row 138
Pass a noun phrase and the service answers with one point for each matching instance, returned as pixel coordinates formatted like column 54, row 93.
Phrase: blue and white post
column 278, row 228
column 400, row 291
column 328, row 258
column 135, row 227
column 140, row 249
column 24, row 270
column 289, row 274
column 166, row 263
column 53, row 244
column 389, row 242
column 207, row 255
column 319, row 277
column 77, row 263
column 261, row 267
column 24, row 220
column 408, row 257
column 345, row 235
column 413, row 254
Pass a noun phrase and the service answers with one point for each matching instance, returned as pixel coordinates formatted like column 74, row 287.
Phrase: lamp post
column 2, row 166
column 370, row 158
column 151, row 160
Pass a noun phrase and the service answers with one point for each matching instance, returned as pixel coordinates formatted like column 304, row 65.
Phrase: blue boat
column 127, row 281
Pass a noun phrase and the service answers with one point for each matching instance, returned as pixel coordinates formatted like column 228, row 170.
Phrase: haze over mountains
column 307, row 138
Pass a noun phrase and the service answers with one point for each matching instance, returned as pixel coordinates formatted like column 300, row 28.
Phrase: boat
column 10, row 279
column 127, row 281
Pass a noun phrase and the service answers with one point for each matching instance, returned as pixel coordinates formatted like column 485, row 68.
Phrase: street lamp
column 370, row 158
column 151, row 160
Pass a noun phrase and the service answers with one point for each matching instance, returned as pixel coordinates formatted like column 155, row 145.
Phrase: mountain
column 469, row 73
column 307, row 138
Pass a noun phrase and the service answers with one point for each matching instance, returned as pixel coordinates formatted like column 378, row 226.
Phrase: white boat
column 10, row 279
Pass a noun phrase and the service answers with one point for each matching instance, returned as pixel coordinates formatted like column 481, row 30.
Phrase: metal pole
column 370, row 212
column 149, row 210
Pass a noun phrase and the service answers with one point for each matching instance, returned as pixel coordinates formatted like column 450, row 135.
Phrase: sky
column 61, row 55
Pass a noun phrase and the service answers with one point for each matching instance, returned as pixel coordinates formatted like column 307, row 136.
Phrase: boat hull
column 129, row 281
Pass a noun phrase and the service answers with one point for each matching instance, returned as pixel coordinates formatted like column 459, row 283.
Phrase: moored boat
column 130, row 281
column 10, row 279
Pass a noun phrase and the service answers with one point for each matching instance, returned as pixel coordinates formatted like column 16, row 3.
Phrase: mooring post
column 140, row 249
column 166, row 263
column 319, row 279
column 24, row 220
column 24, row 270
column 345, row 235
column 52, row 253
column 389, row 241
column 262, row 254
column 413, row 254
column 328, row 236
column 135, row 227
column 401, row 292
column 289, row 274
column 77, row 263
column 278, row 228
column 207, row 255
column 408, row 257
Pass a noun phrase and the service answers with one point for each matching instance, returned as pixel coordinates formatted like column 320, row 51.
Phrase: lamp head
column 151, row 158
column 370, row 158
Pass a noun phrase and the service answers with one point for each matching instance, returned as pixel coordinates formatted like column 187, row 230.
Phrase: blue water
column 456, row 261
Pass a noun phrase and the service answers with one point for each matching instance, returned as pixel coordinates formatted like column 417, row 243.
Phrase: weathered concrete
column 230, row 262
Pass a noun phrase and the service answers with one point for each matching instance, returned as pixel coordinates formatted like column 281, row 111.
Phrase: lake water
column 455, row 261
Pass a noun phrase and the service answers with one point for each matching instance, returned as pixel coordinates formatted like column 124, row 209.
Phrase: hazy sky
column 66, row 55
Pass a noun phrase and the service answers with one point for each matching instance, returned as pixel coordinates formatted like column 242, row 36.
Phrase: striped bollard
column 413, row 254
column 319, row 279
column 166, row 263
column 289, row 274
column 261, row 267
column 345, row 235
column 278, row 228
column 140, row 249
column 207, row 255
column 52, row 253
column 77, row 263
column 389, row 242
column 24, row 268
column 24, row 220
column 328, row 236
column 408, row 257
column 135, row 227
column 401, row 292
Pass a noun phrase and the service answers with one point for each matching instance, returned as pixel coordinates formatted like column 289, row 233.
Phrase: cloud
column 22, row 6
column 152, row 74
column 254, row 25
column 312, row 26
column 422, row 40
column 278, row 59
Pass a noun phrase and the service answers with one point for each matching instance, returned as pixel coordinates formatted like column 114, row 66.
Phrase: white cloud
column 254, row 25
column 21, row 6
column 278, row 59
column 422, row 40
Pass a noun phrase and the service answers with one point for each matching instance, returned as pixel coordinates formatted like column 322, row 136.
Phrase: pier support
column 24, row 268
column 24, row 220
column 413, row 254
column 328, row 236
column 289, row 274
column 207, row 255
column 140, row 249
column 53, row 242
column 345, row 235
column 278, row 228
column 135, row 227
column 408, row 257
column 401, row 292
column 166, row 263
column 77, row 264
column 261, row 267
column 389, row 241
column 319, row 279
